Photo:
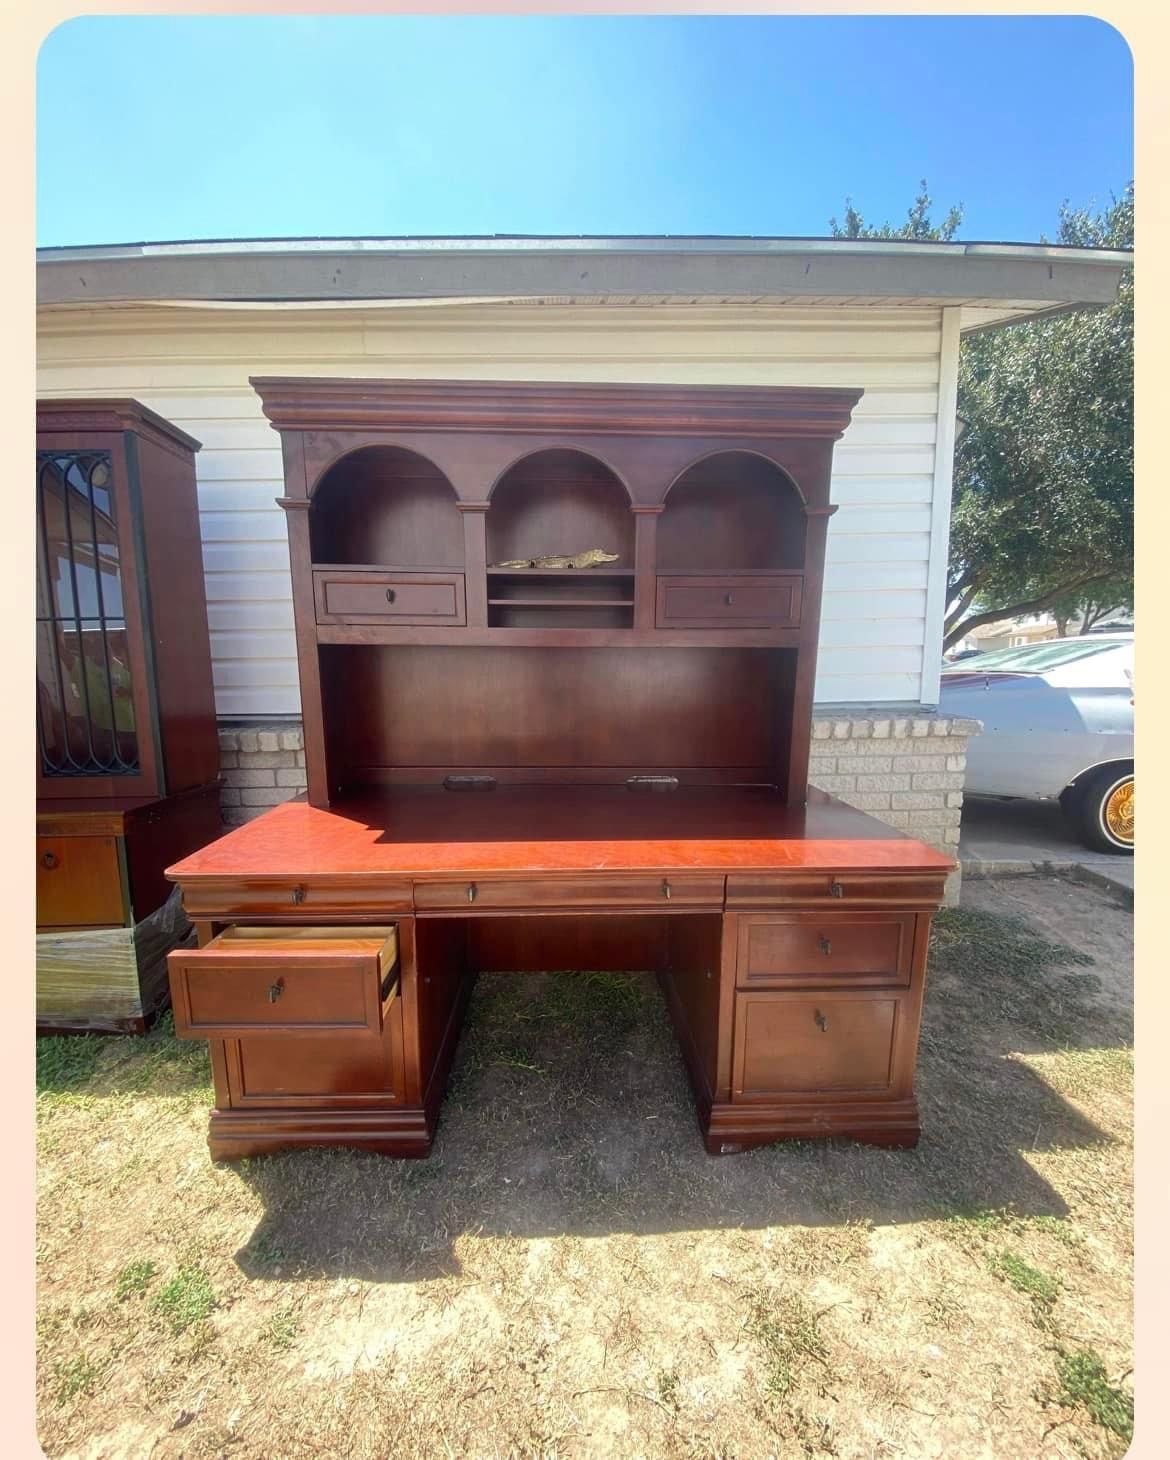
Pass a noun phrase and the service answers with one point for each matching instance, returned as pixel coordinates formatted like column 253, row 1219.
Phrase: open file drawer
column 252, row 981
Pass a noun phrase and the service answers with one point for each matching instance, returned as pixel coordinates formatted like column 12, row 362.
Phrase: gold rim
column 1119, row 813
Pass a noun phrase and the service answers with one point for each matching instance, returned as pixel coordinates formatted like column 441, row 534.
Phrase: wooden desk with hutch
column 522, row 769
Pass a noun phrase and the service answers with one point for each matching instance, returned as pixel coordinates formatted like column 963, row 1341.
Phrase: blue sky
column 247, row 126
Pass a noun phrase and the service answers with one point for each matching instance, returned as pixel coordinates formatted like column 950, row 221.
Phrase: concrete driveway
column 1002, row 837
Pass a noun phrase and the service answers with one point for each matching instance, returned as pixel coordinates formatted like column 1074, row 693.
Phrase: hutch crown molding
column 128, row 757
column 519, row 766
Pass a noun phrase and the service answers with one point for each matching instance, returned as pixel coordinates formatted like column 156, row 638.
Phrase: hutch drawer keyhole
column 49, row 860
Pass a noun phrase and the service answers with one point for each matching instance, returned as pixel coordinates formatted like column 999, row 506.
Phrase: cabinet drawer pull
column 821, row 1022
column 826, row 946
column 298, row 895
column 472, row 890
column 666, row 889
column 390, row 595
column 49, row 860
column 728, row 599
column 275, row 990
column 836, row 889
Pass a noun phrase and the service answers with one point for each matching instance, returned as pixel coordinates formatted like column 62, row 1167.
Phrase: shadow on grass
column 568, row 1112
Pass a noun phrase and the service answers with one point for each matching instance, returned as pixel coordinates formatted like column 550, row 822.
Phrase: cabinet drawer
column 659, row 893
column 804, row 1045
column 286, row 897
column 813, row 948
column 389, row 598
column 761, row 601
column 836, row 889
column 273, row 981
column 79, row 882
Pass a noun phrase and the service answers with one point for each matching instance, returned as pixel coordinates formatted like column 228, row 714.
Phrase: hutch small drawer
column 662, row 893
column 352, row 597
column 281, row 981
column 293, row 898
column 856, row 949
column 757, row 600
column 793, row 1045
column 79, row 882
column 837, row 889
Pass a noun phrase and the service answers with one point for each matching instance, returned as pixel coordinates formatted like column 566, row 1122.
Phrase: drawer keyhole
column 666, row 889
column 390, row 595
column 472, row 891
column 836, row 890
column 826, row 946
column 49, row 860
column 298, row 895
column 275, row 990
column 821, row 1022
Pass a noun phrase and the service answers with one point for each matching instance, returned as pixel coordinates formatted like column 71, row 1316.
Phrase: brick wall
column 906, row 771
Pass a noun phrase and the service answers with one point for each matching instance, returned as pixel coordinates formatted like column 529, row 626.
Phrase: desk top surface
column 423, row 832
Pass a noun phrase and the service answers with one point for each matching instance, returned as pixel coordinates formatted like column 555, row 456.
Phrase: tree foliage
column 918, row 222
column 1043, row 497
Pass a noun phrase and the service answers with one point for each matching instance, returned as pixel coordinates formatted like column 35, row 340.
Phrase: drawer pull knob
column 298, row 895
column 275, row 990
column 826, row 946
column 472, row 890
column 49, row 860
column 821, row 1022
column 390, row 595
column 728, row 599
column 666, row 889
column 836, row 889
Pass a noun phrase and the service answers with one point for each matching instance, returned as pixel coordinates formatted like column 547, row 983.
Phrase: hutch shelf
column 527, row 767
column 128, row 757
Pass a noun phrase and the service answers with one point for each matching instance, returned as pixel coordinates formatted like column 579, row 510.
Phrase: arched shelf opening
column 385, row 506
column 732, row 512
column 559, row 503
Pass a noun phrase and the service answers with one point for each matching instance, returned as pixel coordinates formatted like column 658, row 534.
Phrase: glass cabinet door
column 85, row 694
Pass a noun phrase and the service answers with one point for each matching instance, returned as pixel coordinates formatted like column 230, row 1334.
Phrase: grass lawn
column 569, row 1274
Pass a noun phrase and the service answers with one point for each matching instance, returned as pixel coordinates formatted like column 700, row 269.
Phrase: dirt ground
column 570, row 1275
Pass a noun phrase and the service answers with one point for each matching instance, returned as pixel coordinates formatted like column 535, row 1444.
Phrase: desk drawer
column 758, row 600
column 660, row 893
column 855, row 949
column 836, row 889
column 793, row 1046
column 389, row 598
column 79, row 882
column 287, row 897
column 281, row 981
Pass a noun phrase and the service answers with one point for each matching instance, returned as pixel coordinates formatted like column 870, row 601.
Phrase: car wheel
column 1104, row 809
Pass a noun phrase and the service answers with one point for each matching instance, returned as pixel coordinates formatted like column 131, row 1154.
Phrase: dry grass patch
column 569, row 1275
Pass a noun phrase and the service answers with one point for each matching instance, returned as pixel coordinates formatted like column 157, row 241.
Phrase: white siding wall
column 192, row 366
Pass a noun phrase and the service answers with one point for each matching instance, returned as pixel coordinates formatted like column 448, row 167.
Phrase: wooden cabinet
column 79, row 882
column 127, row 752
column 557, row 644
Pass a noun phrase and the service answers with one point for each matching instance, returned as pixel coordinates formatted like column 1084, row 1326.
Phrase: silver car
column 1057, row 725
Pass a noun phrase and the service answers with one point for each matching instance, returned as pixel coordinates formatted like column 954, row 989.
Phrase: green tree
column 1042, row 511
column 918, row 222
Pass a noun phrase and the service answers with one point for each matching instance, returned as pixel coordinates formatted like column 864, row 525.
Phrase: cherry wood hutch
column 127, row 751
column 522, row 768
